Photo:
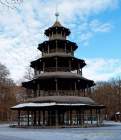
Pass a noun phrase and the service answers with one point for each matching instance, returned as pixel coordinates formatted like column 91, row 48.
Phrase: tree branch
column 10, row 3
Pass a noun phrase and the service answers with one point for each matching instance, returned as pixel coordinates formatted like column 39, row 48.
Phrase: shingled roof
column 63, row 99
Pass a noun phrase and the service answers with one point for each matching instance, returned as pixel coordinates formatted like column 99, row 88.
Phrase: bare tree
column 108, row 94
column 10, row 3
column 7, row 93
column 116, row 83
column 4, row 72
column 29, row 74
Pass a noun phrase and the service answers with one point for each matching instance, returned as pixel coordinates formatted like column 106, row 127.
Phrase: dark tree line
column 7, row 93
column 109, row 94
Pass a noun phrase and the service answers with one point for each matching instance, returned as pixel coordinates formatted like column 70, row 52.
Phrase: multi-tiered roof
column 58, row 70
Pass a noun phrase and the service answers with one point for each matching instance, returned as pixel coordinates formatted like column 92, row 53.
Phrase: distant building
column 57, row 94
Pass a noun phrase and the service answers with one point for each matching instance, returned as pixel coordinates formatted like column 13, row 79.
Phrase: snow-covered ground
column 111, row 131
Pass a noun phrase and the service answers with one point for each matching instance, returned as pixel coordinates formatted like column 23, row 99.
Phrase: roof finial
column 57, row 13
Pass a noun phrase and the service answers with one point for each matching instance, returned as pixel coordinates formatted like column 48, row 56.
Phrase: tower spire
column 56, row 13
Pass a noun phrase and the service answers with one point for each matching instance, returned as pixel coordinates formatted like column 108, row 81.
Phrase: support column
column 56, row 84
column 71, row 49
column 43, row 52
column 52, row 34
column 79, row 116
column 56, row 117
column 81, row 71
column 65, row 47
column 28, row 118
column 49, row 117
column 83, row 118
column 71, row 117
column 64, row 35
column 78, row 71
column 48, row 49
column 38, row 90
column 39, row 117
column 99, row 116
column 43, row 66
column 91, row 116
column 19, row 117
column 87, row 90
column 56, row 46
column 34, row 113
column 69, row 65
column 84, row 92
column 56, row 63
column 77, row 113
column 35, row 72
column 75, row 86
column 43, row 117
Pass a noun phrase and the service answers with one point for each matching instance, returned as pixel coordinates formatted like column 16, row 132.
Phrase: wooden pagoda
column 57, row 95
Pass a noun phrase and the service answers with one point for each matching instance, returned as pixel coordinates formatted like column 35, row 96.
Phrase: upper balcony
column 56, row 45
column 58, row 53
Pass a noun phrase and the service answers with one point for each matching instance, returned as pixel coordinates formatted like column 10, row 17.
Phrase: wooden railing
column 52, row 69
column 58, row 52
column 60, row 93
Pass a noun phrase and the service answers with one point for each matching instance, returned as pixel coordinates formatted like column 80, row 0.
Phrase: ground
column 111, row 131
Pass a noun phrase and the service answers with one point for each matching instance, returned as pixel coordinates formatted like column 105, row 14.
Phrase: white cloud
column 86, row 30
column 102, row 69
column 97, row 26
column 22, row 29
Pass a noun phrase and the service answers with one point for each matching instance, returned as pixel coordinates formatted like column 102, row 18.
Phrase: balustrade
column 58, row 52
column 60, row 93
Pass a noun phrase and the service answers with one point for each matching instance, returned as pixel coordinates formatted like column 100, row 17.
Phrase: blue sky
column 95, row 26
column 106, row 44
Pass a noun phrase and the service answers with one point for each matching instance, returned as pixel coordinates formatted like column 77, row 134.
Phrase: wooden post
column 48, row 49
column 19, row 117
column 83, row 118
column 42, row 51
column 49, row 117
column 78, row 71
column 56, row 46
column 84, row 92
column 91, row 116
column 65, row 47
column 52, row 34
column 34, row 118
column 56, row 117
column 75, row 86
column 56, row 63
column 81, row 72
column 71, row 49
column 43, row 117
column 79, row 117
column 87, row 90
column 77, row 114
column 69, row 65
column 56, row 84
column 43, row 66
column 28, row 117
column 38, row 89
column 39, row 119
column 70, row 117
column 97, row 117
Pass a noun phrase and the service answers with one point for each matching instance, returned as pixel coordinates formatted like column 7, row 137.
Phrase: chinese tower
column 57, row 95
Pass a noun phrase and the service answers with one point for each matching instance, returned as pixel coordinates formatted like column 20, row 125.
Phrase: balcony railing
column 60, row 93
column 52, row 69
column 58, row 52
